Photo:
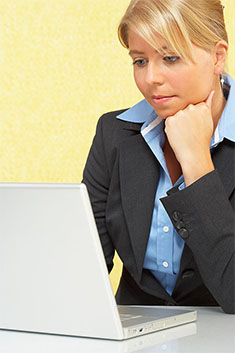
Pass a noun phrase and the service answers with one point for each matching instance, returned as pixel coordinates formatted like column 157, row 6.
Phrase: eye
column 171, row 59
column 140, row 62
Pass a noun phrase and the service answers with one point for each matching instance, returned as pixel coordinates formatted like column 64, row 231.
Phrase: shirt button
column 165, row 264
column 166, row 229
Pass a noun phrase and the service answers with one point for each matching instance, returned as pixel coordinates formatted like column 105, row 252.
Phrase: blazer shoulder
column 109, row 121
column 113, row 114
column 112, row 132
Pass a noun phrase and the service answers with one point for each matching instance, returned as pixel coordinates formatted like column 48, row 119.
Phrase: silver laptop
column 53, row 275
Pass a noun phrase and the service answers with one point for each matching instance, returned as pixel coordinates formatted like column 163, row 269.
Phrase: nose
column 154, row 74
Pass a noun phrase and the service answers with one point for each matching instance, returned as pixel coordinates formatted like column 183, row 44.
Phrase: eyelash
column 138, row 62
column 169, row 59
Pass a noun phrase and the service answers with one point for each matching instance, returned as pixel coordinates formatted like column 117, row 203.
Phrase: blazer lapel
column 139, row 173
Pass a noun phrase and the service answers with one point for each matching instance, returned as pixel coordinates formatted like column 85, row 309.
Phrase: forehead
column 138, row 45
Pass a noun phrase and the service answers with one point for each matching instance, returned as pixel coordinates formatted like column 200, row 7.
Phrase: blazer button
column 183, row 233
column 179, row 225
column 177, row 216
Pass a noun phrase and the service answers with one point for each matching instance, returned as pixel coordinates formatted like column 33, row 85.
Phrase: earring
column 222, row 79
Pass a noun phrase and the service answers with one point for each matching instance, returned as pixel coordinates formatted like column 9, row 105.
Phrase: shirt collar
column 139, row 113
column 143, row 112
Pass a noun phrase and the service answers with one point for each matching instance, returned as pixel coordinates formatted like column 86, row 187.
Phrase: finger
column 209, row 99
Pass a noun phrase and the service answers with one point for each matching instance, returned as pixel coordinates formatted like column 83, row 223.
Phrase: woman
column 161, row 174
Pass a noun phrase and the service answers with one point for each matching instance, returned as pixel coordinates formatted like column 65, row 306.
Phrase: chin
column 165, row 114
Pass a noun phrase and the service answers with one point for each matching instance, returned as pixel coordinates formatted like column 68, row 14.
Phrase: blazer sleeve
column 203, row 215
column 96, row 177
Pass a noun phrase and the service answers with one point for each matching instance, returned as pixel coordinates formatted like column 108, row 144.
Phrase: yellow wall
column 61, row 67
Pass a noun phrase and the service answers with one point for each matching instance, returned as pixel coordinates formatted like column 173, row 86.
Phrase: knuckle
column 167, row 122
column 204, row 108
column 203, row 105
column 179, row 113
column 191, row 107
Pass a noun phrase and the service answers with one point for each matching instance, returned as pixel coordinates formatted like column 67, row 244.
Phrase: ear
column 220, row 54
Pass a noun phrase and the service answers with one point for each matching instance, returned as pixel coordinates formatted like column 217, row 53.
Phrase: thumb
column 209, row 99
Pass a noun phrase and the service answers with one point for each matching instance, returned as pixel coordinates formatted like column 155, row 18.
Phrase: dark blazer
column 121, row 175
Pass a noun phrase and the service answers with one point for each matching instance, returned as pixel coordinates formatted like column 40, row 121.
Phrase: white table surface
column 214, row 332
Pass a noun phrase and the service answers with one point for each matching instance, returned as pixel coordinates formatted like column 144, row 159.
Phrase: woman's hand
column 189, row 133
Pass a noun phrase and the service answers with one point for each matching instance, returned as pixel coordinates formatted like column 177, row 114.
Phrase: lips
column 161, row 99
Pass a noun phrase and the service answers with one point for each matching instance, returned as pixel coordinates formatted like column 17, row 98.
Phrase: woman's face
column 168, row 82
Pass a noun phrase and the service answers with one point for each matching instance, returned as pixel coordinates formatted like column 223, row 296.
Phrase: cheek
column 189, row 83
column 138, row 80
column 178, row 77
column 177, row 80
column 198, row 86
column 197, row 81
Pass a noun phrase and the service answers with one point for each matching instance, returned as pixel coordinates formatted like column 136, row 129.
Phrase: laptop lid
column 53, row 273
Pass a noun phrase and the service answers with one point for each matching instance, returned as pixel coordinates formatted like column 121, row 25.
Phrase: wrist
column 196, row 170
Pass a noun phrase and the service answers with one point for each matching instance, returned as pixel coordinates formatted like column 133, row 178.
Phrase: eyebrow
column 132, row 52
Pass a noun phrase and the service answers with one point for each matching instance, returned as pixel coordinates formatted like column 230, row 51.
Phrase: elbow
column 229, row 308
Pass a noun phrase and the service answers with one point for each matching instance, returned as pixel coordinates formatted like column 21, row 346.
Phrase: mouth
column 161, row 99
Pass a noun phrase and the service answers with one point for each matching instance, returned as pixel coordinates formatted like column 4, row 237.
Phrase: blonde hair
column 179, row 22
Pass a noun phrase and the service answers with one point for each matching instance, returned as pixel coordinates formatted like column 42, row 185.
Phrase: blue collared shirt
column 165, row 246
